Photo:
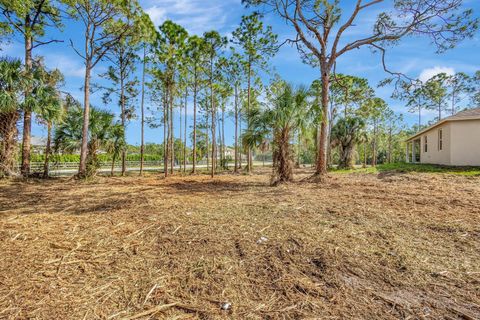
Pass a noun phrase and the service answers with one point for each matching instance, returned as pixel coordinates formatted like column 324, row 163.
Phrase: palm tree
column 11, row 86
column 346, row 134
column 102, row 131
column 50, row 104
column 286, row 113
column 51, row 113
column 116, row 144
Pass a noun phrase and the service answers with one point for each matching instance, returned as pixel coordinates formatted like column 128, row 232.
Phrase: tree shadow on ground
column 214, row 186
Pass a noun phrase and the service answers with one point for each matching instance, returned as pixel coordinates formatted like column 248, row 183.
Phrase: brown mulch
column 357, row 246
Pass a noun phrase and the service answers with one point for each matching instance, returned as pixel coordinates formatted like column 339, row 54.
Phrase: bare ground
column 392, row 246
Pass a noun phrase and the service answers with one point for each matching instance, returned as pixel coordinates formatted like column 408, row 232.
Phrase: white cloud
column 197, row 16
column 70, row 67
column 428, row 73
column 157, row 14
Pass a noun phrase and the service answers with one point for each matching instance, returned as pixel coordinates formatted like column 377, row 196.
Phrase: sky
column 413, row 56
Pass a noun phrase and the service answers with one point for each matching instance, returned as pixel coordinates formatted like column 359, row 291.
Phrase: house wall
column 433, row 154
column 465, row 137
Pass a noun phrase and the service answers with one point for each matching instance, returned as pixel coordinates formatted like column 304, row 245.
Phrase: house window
column 440, row 139
column 425, row 144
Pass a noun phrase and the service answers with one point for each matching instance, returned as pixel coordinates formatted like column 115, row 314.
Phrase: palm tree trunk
column 283, row 159
column 9, row 130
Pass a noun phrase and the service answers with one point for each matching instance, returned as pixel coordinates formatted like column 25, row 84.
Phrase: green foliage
column 12, row 84
column 104, row 134
column 30, row 18
column 259, row 43
column 401, row 167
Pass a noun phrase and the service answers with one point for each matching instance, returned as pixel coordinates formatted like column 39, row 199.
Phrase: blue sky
column 414, row 56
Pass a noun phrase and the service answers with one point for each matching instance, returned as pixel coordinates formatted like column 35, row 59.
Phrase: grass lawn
column 359, row 246
column 409, row 167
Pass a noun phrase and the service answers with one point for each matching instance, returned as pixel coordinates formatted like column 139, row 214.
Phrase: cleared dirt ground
column 357, row 247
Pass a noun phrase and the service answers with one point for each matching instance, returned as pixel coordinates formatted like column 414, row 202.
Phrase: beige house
column 453, row 141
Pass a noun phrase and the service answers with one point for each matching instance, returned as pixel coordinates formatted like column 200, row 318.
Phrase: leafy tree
column 234, row 74
column 435, row 92
column 346, row 134
column 374, row 110
column 349, row 91
column 214, row 43
column 475, row 89
column 394, row 125
column 29, row 19
column 123, row 58
column 105, row 23
column 196, row 55
column 458, row 86
column 169, row 50
column 321, row 38
column 259, row 43
column 147, row 37
column 414, row 96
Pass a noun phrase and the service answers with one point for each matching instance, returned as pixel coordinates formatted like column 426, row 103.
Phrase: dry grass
column 359, row 246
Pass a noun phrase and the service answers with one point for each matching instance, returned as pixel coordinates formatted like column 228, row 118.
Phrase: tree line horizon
column 325, row 121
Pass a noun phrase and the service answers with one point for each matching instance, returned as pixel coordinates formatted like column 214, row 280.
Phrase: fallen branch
column 151, row 311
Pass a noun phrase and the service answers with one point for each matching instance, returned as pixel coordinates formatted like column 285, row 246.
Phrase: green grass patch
column 410, row 167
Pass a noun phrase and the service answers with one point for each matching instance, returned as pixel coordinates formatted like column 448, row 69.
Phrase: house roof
column 469, row 114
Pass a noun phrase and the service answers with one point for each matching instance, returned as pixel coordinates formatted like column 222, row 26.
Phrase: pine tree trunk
column 165, row 134
column 181, row 137
column 47, row 150
column 142, row 144
column 123, row 118
column 208, row 141
column 374, row 144
column 249, row 153
column 224, row 162
column 112, row 170
column 240, row 145
column 321, row 166
column 82, row 171
column 236, row 130
column 194, row 147
column 172, row 150
column 27, row 116
column 185, row 134
column 212, row 105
